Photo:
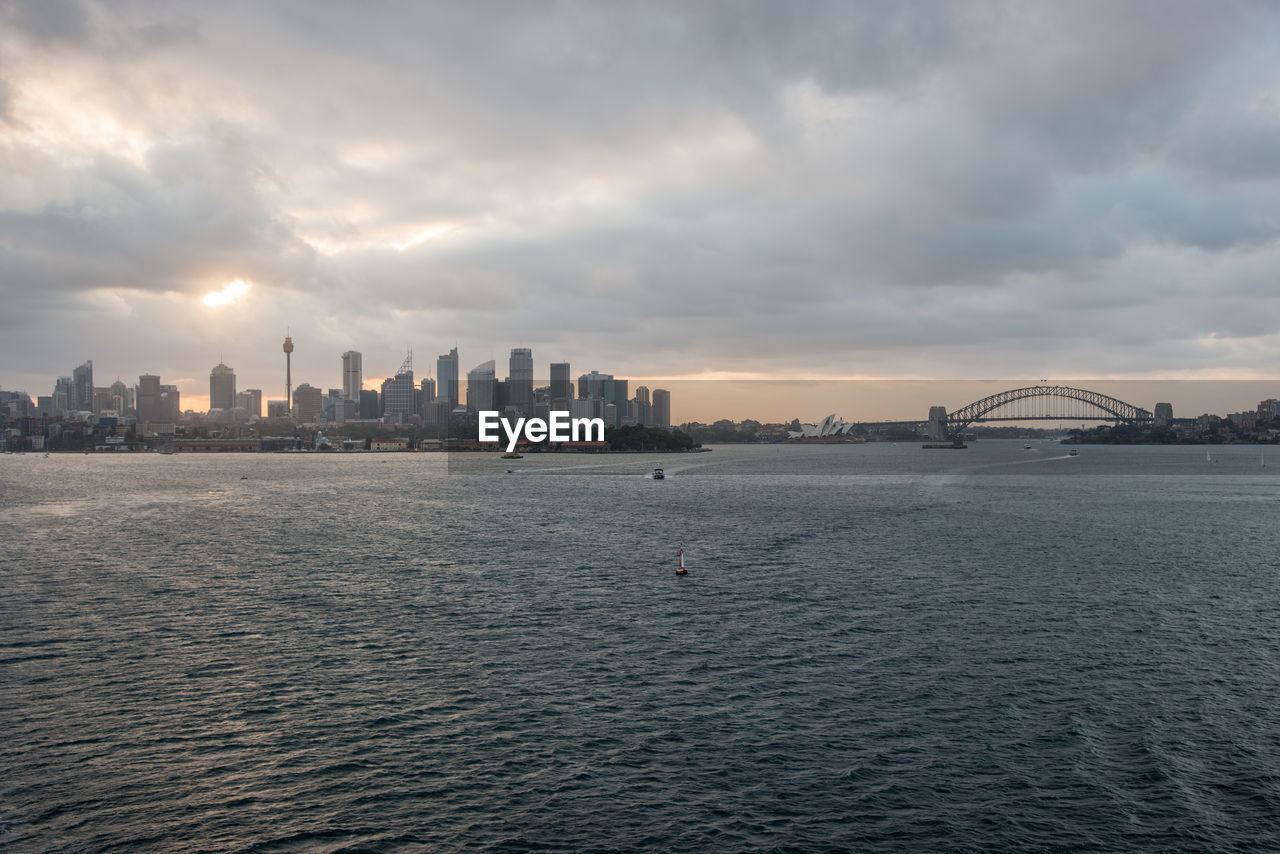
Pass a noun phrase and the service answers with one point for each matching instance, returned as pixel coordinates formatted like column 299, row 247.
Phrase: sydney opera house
column 830, row 426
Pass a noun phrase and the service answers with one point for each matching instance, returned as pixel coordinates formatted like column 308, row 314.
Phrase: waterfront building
column 520, row 380
column 480, row 381
column 222, row 388
column 447, row 378
column 352, row 374
column 661, row 407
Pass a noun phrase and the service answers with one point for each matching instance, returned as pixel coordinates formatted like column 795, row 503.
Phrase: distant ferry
column 658, row 474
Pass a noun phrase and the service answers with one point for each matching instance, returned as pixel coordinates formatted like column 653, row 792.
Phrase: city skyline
column 841, row 191
column 777, row 400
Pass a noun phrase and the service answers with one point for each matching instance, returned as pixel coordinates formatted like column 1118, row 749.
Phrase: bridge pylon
column 938, row 430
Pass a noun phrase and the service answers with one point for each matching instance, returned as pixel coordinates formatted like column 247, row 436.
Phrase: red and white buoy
column 680, row 570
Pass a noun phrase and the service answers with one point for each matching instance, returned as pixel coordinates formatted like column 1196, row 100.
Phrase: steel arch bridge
column 1046, row 403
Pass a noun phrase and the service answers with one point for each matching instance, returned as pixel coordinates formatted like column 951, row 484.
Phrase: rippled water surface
column 878, row 647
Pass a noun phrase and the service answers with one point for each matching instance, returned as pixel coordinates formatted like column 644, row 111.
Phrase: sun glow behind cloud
column 232, row 292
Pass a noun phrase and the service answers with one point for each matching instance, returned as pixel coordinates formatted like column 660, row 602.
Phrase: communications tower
column 288, row 375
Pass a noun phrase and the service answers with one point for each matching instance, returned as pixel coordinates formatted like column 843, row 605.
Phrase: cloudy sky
column 800, row 189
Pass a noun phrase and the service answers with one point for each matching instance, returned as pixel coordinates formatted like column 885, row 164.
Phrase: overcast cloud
column 654, row 189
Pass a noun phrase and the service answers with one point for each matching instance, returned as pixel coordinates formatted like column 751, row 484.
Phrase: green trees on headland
column 648, row 439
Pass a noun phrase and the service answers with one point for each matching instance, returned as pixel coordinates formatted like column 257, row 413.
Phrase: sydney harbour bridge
column 1036, row 403
column 1032, row 403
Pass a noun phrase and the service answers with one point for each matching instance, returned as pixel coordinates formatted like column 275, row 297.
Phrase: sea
column 877, row 648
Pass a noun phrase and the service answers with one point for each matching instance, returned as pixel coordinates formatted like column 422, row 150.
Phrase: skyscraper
column 170, row 403
column 63, row 395
column 148, row 400
column 397, row 392
column 447, row 378
column 520, row 380
column 561, row 384
column 308, row 402
column 592, row 385
column 480, row 380
column 222, row 388
column 250, row 400
column 644, row 409
column 661, row 407
column 352, row 375
column 82, row 388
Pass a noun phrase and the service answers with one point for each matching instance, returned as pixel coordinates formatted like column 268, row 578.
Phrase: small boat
column 680, row 570
column 1074, row 452
column 658, row 474
column 1026, row 447
column 512, row 455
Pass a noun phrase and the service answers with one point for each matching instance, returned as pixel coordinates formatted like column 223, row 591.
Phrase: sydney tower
column 288, row 375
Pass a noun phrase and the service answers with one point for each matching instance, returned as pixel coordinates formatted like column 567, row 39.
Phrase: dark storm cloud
column 870, row 188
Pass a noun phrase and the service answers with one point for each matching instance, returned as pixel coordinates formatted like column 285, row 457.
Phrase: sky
column 758, row 190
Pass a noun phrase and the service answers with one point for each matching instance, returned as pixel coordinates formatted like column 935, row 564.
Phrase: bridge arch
column 1047, row 403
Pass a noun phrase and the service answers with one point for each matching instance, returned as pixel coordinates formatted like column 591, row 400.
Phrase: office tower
column 643, row 407
column 250, row 400
column 170, row 403
column 222, row 388
column 615, row 391
column 124, row 396
column 480, row 380
column 308, row 402
column 148, row 400
column 447, row 378
column 277, row 409
column 520, row 380
column 82, row 388
column 397, row 392
column 63, row 396
column 370, row 410
column 103, row 401
column 561, row 385
column 428, row 392
column 592, row 384
column 352, row 374
column 288, row 368
column 661, row 407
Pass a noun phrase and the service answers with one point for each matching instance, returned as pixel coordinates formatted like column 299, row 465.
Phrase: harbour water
column 877, row 648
